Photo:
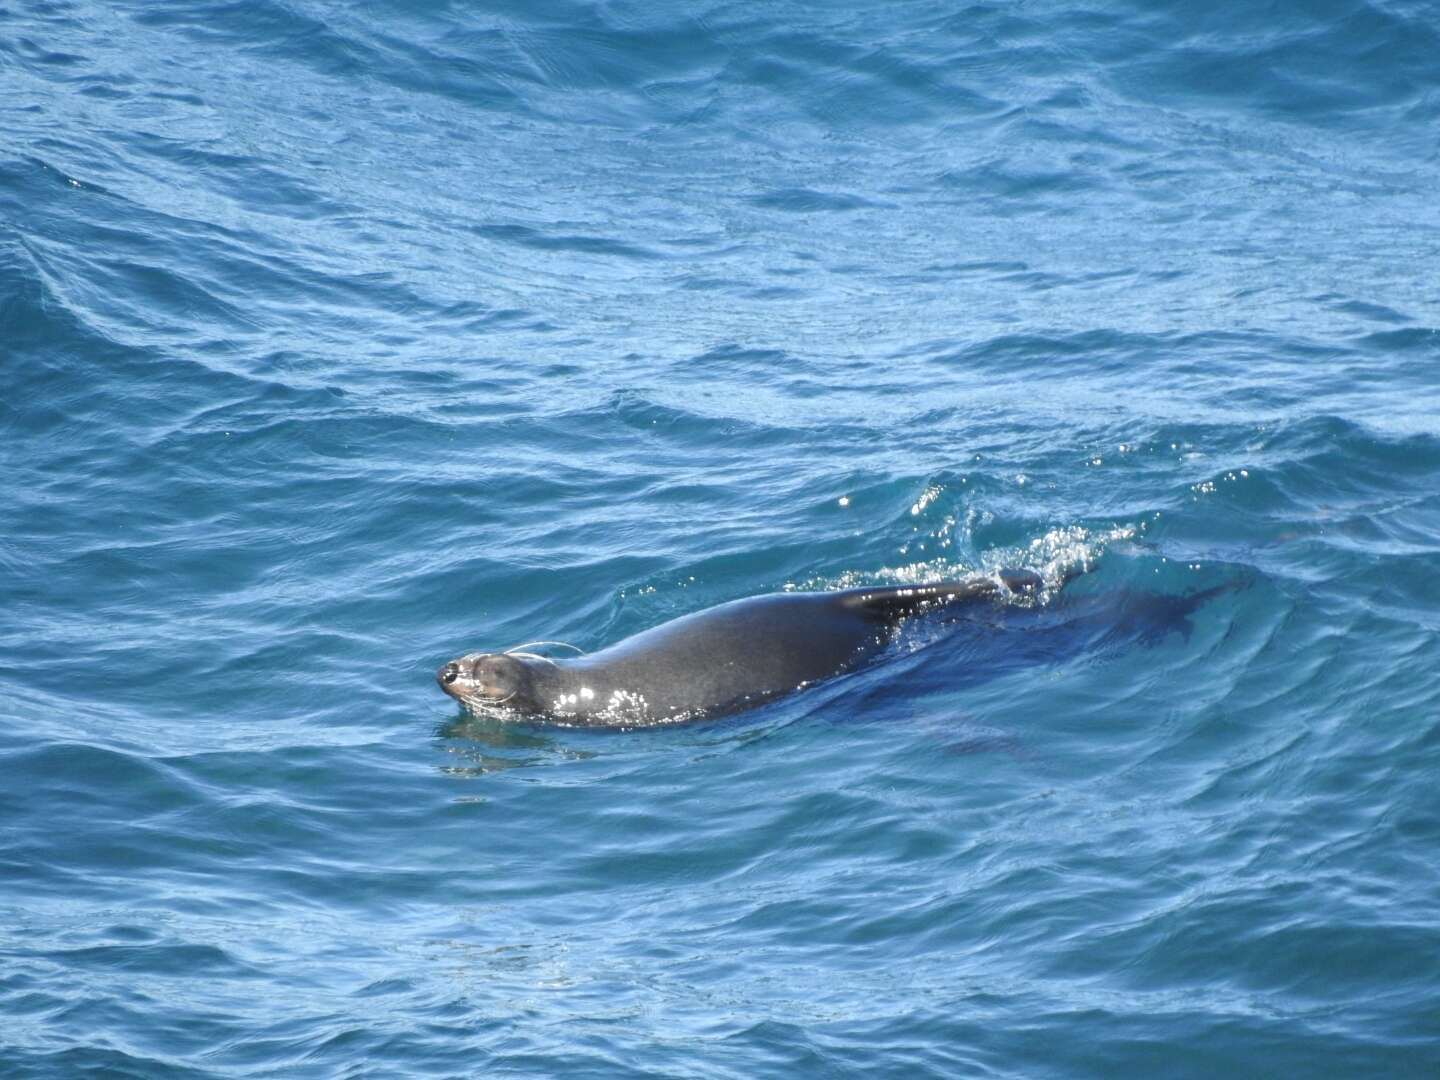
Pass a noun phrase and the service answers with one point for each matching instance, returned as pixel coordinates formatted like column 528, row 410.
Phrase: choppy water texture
column 341, row 338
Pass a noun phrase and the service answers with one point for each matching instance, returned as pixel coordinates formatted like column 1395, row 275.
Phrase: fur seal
column 719, row 660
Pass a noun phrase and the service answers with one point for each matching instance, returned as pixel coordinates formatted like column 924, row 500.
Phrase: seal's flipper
column 890, row 604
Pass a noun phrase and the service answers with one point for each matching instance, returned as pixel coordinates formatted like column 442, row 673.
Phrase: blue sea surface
column 342, row 337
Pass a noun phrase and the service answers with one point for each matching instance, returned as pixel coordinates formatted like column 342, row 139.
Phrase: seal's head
column 488, row 680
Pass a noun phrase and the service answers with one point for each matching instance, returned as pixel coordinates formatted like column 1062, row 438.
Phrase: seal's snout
column 485, row 678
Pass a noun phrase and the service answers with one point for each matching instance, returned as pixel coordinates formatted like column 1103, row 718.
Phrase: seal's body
column 718, row 660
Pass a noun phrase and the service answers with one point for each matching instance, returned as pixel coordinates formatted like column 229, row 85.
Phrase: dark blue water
column 338, row 339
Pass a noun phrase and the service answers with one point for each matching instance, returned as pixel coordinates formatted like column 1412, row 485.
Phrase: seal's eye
column 450, row 674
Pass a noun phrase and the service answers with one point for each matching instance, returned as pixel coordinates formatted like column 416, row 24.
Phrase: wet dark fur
column 715, row 661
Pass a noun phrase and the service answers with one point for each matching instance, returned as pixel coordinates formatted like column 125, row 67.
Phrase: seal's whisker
column 532, row 656
column 530, row 644
column 478, row 703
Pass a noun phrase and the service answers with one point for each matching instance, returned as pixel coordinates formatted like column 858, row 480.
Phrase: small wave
column 805, row 200
column 1056, row 555
column 550, row 240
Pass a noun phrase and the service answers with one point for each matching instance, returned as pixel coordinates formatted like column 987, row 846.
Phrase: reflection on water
column 485, row 744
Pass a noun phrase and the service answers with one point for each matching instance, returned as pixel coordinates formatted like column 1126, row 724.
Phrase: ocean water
column 340, row 338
